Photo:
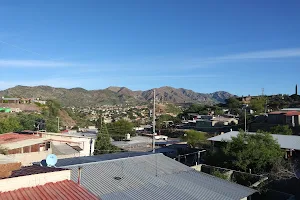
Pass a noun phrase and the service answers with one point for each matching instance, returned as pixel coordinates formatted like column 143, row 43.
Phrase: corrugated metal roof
column 34, row 169
column 63, row 149
column 285, row 141
column 154, row 176
column 89, row 159
column 60, row 190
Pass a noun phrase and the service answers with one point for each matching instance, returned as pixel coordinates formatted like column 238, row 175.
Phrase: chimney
column 7, row 166
column 79, row 175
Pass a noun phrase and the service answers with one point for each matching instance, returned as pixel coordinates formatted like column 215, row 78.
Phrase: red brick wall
column 35, row 148
column 26, row 149
column 14, row 151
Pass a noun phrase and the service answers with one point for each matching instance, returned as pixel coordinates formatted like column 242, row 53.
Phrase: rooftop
column 285, row 141
column 34, row 169
column 60, row 190
column 15, row 137
column 154, row 176
column 23, row 143
column 90, row 159
column 10, row 99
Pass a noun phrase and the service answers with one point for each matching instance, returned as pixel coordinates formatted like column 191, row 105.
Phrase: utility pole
column 245, row 119
column 153, row 125
column 245, row 107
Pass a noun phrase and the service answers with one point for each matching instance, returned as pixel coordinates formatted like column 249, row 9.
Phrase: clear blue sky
column 201, row 45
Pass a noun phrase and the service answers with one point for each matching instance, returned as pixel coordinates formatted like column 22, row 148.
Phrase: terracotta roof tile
column 66, row 189
column 292, row 113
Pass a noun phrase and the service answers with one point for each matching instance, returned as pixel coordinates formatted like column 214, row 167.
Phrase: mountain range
column 114, row 95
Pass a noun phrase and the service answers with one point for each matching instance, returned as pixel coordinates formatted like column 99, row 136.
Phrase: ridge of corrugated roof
column 154, row 176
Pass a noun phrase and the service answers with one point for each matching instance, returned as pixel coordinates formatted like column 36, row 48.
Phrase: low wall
column 28, row 158
column 10, row 184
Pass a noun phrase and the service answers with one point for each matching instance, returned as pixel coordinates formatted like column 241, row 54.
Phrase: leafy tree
column 282, row 130
column 53, row 107
column 220, row 175
column 218, row 111
column 196, row 108
column 258, row 104
column 171, row 108
column 162, row 118
column 194, row 138
column 103, row 144
column 9, row 124
column 258, row 152
column 120, row 128
column 233, row 104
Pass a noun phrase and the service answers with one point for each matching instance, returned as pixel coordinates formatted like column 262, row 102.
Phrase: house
column 85, row 144
column 16, row 143
column 215, row 121
column 29, row 147
column 10, row 100
column 285, row 117
column 16, row 110
column 153, row 176
column 289, row 143
column 37, row 182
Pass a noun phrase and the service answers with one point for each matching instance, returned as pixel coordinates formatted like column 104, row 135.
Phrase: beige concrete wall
column 197, row 167
column 10, row 184
column 28, row 158
column 83, row 142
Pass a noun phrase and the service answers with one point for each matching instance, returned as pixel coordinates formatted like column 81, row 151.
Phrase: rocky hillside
column 114, row 95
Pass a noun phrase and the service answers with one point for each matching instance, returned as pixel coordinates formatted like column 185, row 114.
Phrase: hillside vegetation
column 114, row 95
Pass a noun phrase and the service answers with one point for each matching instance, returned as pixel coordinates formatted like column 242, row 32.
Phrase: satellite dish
column 51, row 160
column 43, row 163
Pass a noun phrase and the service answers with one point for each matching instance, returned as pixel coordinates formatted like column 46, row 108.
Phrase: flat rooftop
column 34, row 169
column 23, row 143
column 15, row 137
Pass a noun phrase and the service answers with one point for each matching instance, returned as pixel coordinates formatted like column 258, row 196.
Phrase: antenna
column 153, row 136
column 262, row 91
column 51, row 160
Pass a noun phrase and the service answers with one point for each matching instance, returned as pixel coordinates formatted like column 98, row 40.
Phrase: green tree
column 281, row 130
column 103, row 144
column 258, row 152
column 195, row 138
column 220, row 175
column 9, row 124
column 53, row 107
column 258, row 104
column 160, row 121
column 120, row 128
column 233, row 105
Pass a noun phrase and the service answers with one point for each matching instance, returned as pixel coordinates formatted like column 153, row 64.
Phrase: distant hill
column 114, row 95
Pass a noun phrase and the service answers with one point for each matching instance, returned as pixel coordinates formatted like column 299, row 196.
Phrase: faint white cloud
column 277, row 53
column 37, row 63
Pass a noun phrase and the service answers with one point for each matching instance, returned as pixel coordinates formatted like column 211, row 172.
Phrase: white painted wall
column 10, row 184
column 28, row 158
column 84, row 142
